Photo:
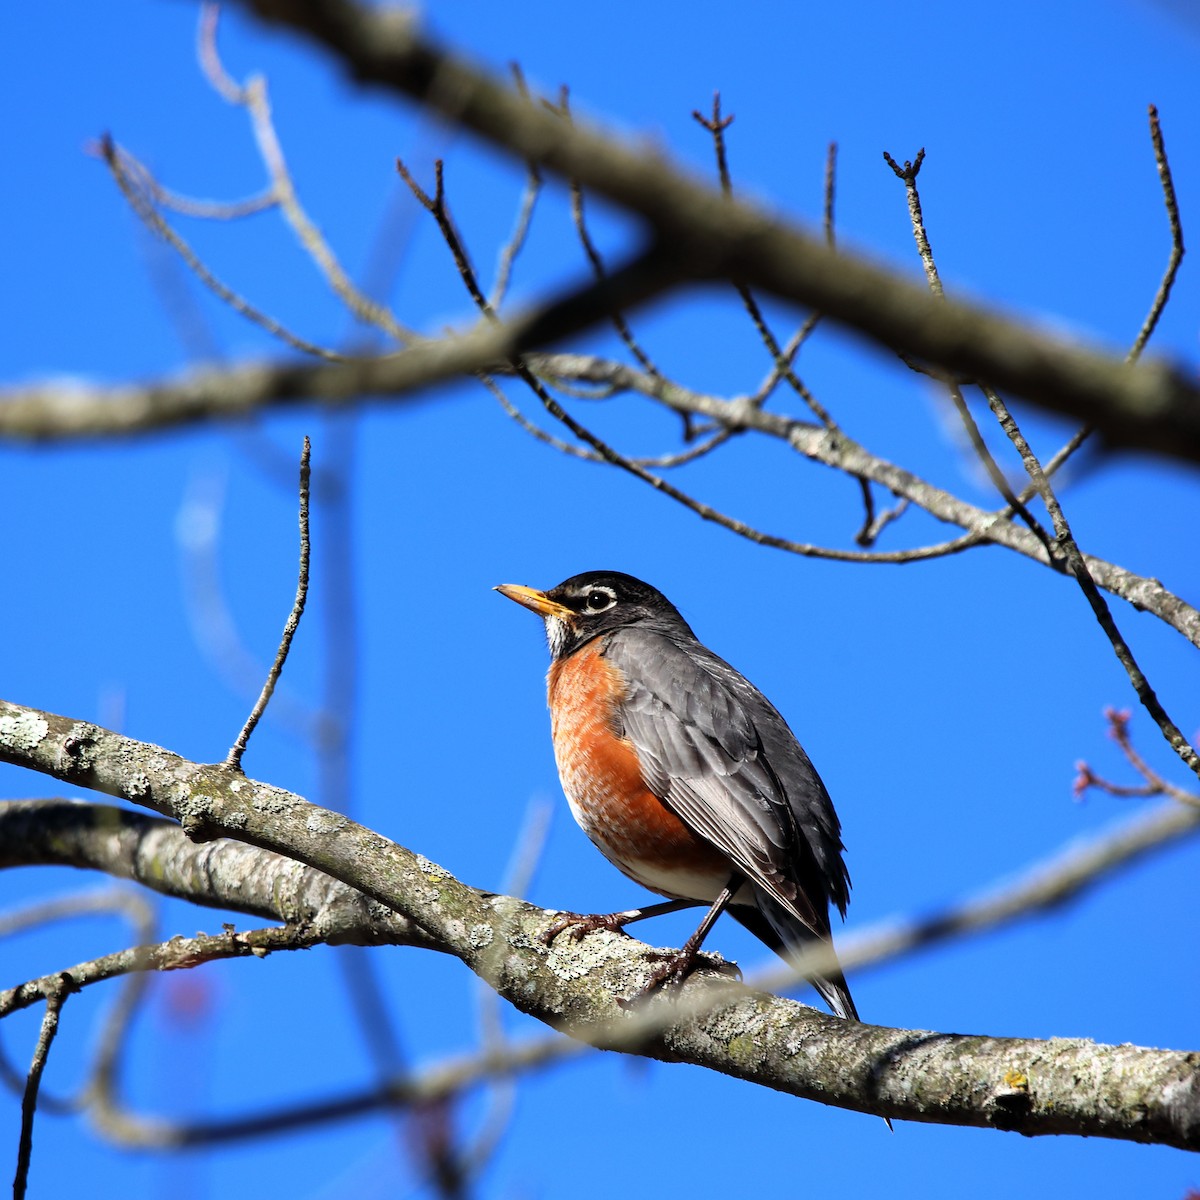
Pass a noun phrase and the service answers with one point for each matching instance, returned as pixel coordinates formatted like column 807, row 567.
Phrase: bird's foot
column 581, row 924
column 677, row 965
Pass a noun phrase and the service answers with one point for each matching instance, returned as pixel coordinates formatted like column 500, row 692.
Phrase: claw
column 581, row 924
column 677, row 966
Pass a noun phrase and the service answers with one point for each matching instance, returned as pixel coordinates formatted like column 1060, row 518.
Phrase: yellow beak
column 534, row 600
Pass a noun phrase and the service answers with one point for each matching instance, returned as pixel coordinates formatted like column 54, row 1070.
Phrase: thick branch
column 1036, row 1087
column 1150, row 406
column 222, row 874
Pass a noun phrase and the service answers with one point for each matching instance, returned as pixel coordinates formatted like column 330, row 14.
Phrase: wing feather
column 716, row 752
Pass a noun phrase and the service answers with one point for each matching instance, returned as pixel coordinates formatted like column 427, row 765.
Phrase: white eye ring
column 599, row 599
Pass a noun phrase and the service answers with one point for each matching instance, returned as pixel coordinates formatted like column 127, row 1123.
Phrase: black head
column 597, row 602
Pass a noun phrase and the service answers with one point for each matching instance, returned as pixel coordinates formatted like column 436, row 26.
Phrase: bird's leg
column 678, row 967
column 581, row 924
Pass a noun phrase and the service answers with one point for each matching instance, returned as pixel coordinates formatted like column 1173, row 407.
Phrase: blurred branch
column 74, row 411
column 1077, row 1087
column 253, row 97
column 139, row 189
column 85, row 835
column 1064, row 546
column 707, row 235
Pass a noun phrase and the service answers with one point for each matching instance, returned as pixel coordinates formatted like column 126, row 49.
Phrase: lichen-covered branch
column 53, row 413
column 223, row 873
column 1036, row 1087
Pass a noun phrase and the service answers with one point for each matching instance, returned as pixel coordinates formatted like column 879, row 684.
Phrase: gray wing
column 716, row 751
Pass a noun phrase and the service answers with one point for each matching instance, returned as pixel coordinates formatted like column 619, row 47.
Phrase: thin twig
column 563, row 110
column 716, row 126
column 1159, row 303
column 516, row 243
column 708, row 513
column 771, row 382
column 1177, row 249
column 437, row 207
column 660, row 462
column 869, row 533
column 1079, row 568
column 233, row 759
column 253, row 96
column 176, row 954
column 198, row 531
column 116, row 158
column 908, row 176
column 55, row 996
column 1155, row 785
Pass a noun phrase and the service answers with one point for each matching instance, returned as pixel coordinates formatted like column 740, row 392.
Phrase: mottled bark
column 1034, row 1087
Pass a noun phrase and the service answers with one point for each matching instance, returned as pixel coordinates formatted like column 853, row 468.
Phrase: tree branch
column 1036, row 1087
column 1153, row 406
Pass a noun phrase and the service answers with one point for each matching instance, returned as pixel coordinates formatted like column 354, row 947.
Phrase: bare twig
column 233, row 759
column 437, row 207
column 908, row 176
column 516, row 242
column 875, row 525
column 716, row 126
column 1159, row 303
column 661, row 461
column 1177, row 249
column 1078, row 567
column 198, row 530
column 116, row 158
column 563, row 110
column 55, row 995
column 191, row 206
column 1155, row 785
column 253, row 96
column 771, row 382
column 178, row 954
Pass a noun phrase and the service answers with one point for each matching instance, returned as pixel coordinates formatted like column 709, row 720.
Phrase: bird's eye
column 598, row 600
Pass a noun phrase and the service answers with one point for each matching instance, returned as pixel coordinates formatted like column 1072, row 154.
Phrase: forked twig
column 1079, row 568
column 254, row 97
column 127, row 180
column 907, row 174
column 233, row 759
column 437, row 208
column 716, row 126
column 1155, row 785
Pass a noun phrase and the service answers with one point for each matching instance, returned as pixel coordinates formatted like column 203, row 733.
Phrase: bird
column 686, row 777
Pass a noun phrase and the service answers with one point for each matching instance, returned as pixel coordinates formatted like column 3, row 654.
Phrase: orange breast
column 608, row 796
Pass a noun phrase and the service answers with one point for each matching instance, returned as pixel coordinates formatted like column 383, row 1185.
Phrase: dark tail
column 777, row 928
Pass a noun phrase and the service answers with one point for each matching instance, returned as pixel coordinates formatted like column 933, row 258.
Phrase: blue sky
column 945, row 704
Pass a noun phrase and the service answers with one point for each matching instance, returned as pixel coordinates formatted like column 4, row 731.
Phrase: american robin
column 685, row 775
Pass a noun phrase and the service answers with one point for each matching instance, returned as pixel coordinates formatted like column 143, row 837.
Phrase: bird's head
column 597, row 602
